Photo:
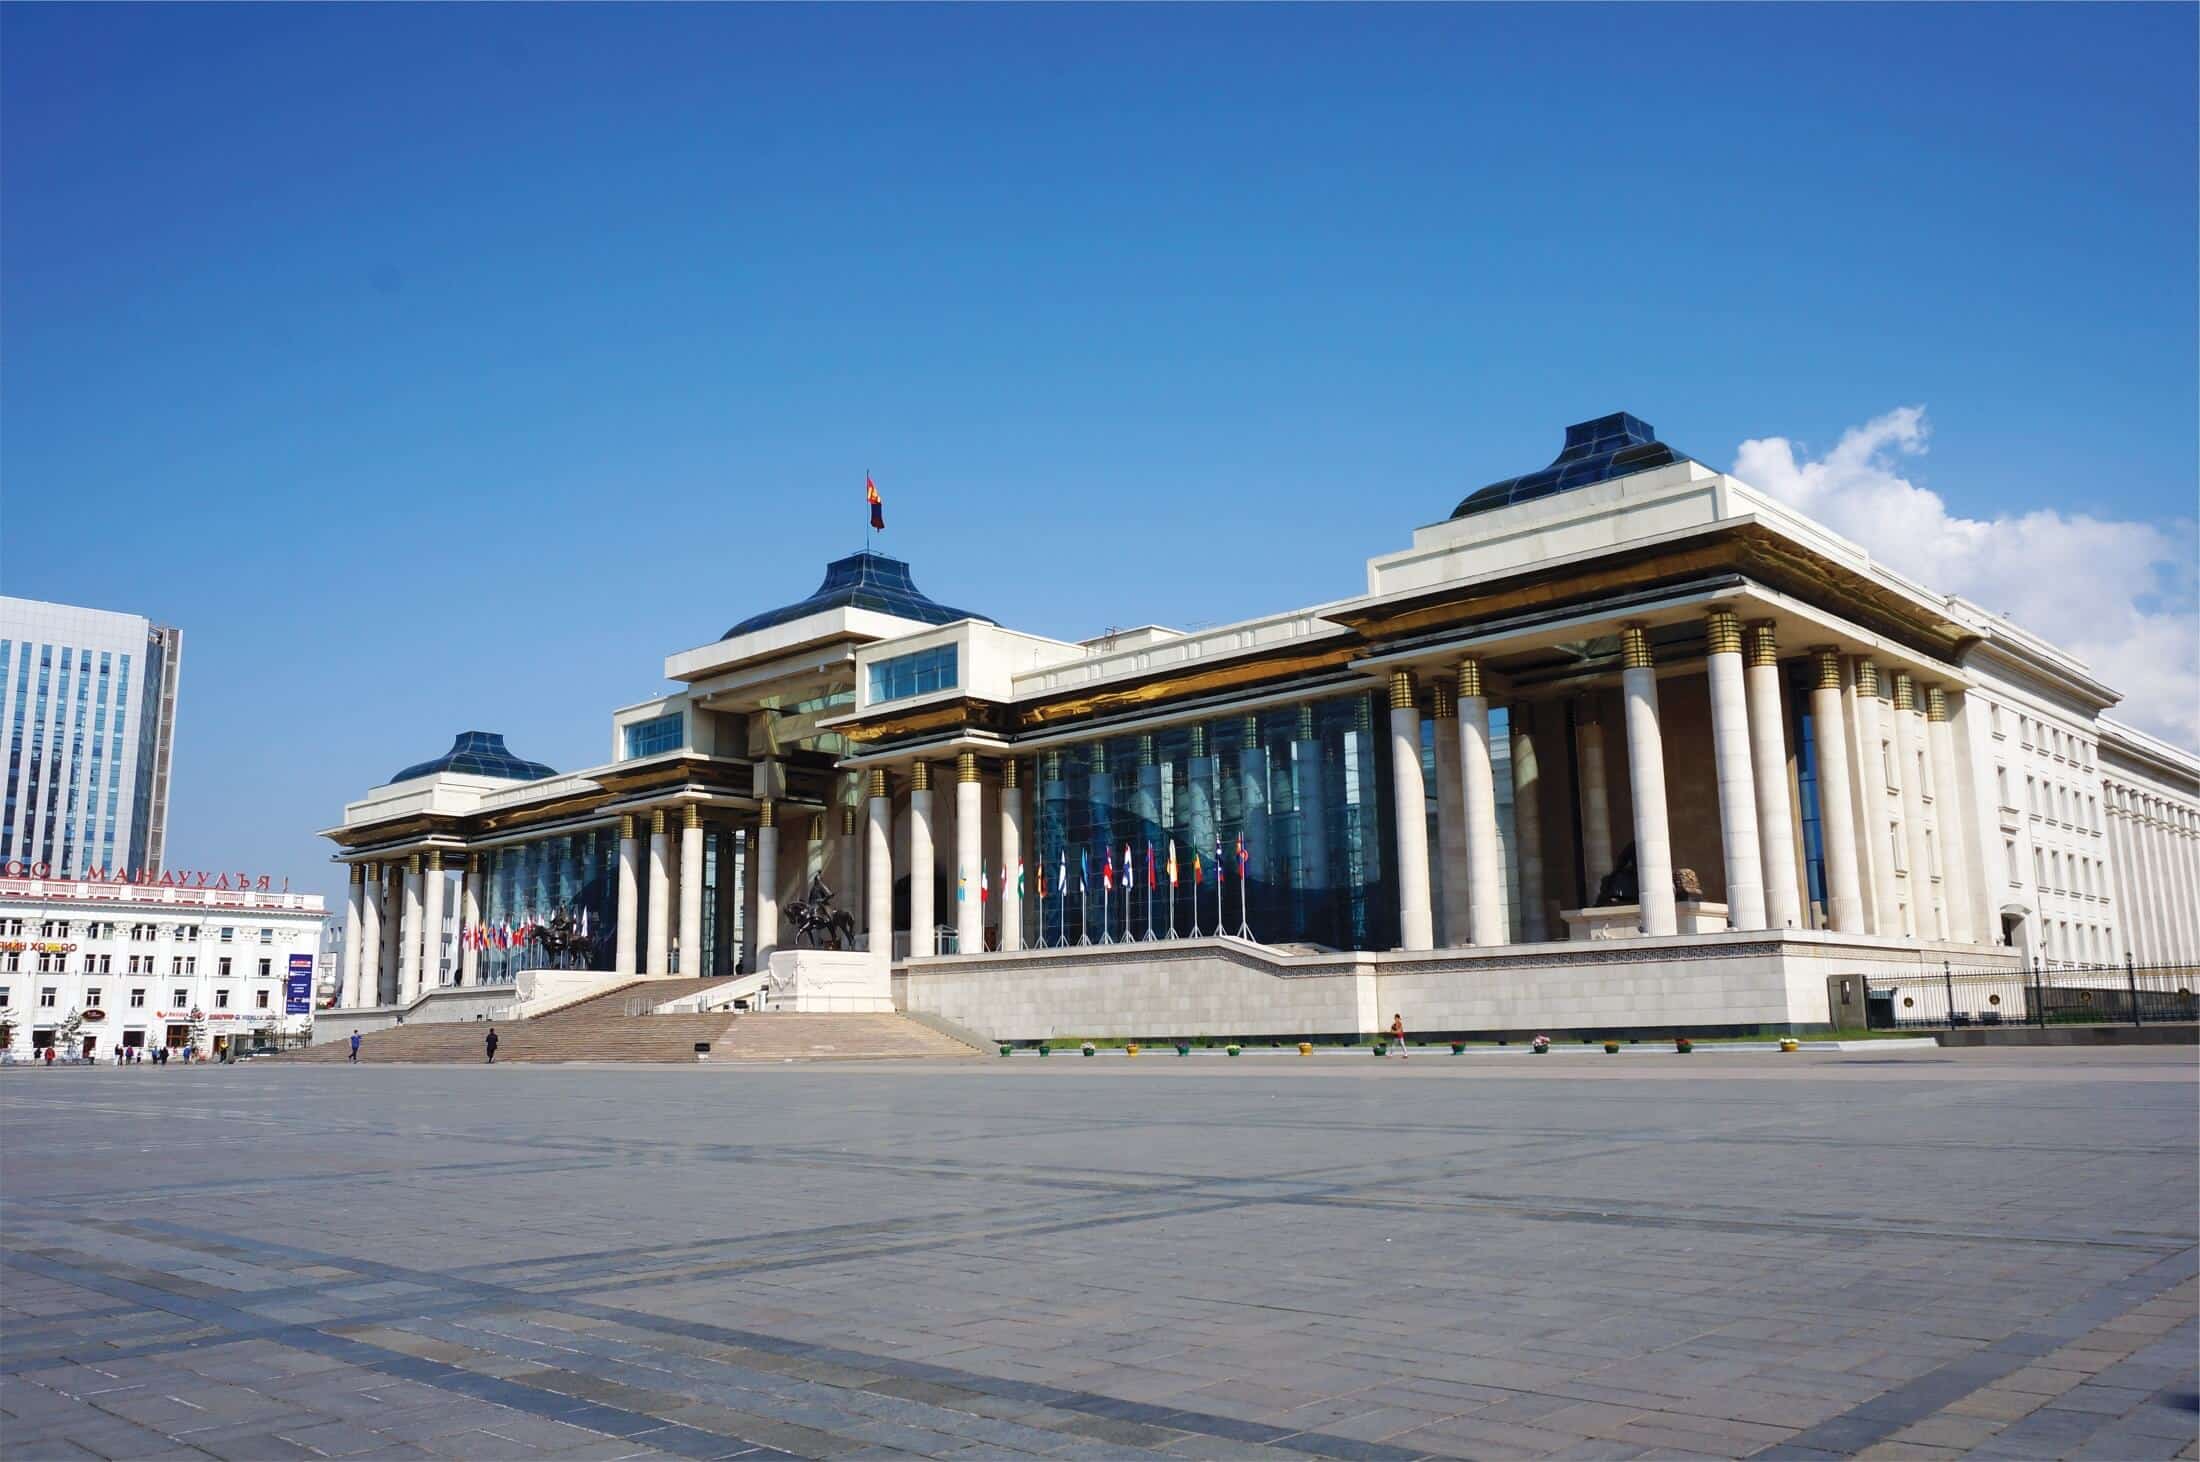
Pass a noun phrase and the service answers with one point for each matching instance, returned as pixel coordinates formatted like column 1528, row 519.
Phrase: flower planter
column 1611, row 1048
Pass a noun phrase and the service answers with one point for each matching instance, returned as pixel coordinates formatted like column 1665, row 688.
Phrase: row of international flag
column 1113, row 875
column 513, row 933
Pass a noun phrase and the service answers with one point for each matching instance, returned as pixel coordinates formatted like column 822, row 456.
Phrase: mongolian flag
column 878, row 508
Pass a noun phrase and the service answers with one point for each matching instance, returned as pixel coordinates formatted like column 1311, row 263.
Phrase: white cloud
column 2118, row 595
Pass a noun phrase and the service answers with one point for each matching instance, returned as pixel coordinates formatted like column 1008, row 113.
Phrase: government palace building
column 1620, row 743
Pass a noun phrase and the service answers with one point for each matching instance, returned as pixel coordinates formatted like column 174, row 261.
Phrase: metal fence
column 1947, row 998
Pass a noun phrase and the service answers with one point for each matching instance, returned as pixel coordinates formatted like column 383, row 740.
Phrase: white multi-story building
column 88, row 703
column 1621, row 742
column 95, row 965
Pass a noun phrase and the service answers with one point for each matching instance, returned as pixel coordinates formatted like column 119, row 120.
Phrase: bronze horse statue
column 820, row 925
column 563, row 945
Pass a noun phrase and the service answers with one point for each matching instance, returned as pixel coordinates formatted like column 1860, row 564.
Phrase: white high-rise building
column 88, row 703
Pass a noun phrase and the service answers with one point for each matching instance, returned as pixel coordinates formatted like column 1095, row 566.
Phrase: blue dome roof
column 860, row 581
column 479, row 754
column 1595, row 451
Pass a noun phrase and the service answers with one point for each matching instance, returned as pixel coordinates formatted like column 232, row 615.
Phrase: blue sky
column 440, row 368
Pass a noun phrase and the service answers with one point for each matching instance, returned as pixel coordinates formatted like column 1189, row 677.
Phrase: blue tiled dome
column 860, row 581
column 480, row 754
column 1595, row 451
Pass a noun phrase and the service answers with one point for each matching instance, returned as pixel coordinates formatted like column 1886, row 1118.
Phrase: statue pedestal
column 829, row 981
column 1624, row 921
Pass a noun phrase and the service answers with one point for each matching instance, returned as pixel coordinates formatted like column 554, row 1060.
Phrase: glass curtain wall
column 527, row 882
column 1305, row 787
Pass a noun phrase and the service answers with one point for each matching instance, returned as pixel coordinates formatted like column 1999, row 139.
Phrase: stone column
column 1836, row 798
column 409, row 942
column 1012, row 857
column 878, row 861
column 691, row 890
column 766, row 935
column 969, row 855
column 1768, row 757
column 1731, row 760
column 659, row 959
column 921, row 862
column 469, row 919
column 850, row 875
column 432, row 891
column 1409, row 810
column 1646, row 780
column 1451, row 822
column 1478, row 803
column 1596, row 799
column 1955, row 870
column 1535, row 923
column 370, row 936
column 627, row 960
column 1871, row 781
column 355, row 903
column 1909, row 741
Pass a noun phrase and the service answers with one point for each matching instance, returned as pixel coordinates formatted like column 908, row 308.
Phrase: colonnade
column 2154, row 844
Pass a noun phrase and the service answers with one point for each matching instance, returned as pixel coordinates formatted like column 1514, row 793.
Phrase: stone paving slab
column 1883, row 1253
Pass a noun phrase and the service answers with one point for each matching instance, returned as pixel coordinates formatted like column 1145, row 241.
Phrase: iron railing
column 2042, row 995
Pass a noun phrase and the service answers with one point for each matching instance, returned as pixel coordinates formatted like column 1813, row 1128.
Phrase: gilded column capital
column 1468, row 682
column 1444, row 703
column 1722, row 630
column 920, row 776
column 1764, row 642
column 1401, row 690
column 1634, row 647
column 1828, row 660
column 966, row 766
column 876, row 787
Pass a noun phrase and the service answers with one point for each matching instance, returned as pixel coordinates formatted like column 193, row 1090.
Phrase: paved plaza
column 1909, row 1253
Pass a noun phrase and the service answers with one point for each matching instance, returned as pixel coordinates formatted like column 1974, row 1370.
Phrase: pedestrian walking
column 490, row 1041
column 354, row 1057
column 1398, row 1035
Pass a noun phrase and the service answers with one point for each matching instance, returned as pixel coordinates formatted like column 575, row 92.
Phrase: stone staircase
column 614, row 1025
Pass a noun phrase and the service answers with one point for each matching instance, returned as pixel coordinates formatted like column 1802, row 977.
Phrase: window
column 182, row 997
column 92, row 997
column 221, row 967
column 46, row 996
column 137, row 998
column 221, row 999
column 260, row 999
column 655, row 736
column 918, row 673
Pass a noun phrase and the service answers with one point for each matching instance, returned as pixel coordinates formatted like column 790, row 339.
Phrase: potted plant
column 1540, row 1046
column 1611, row 1047
column 1683, row 1045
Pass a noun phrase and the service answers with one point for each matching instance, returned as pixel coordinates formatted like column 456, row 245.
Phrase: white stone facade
column 163, row 965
